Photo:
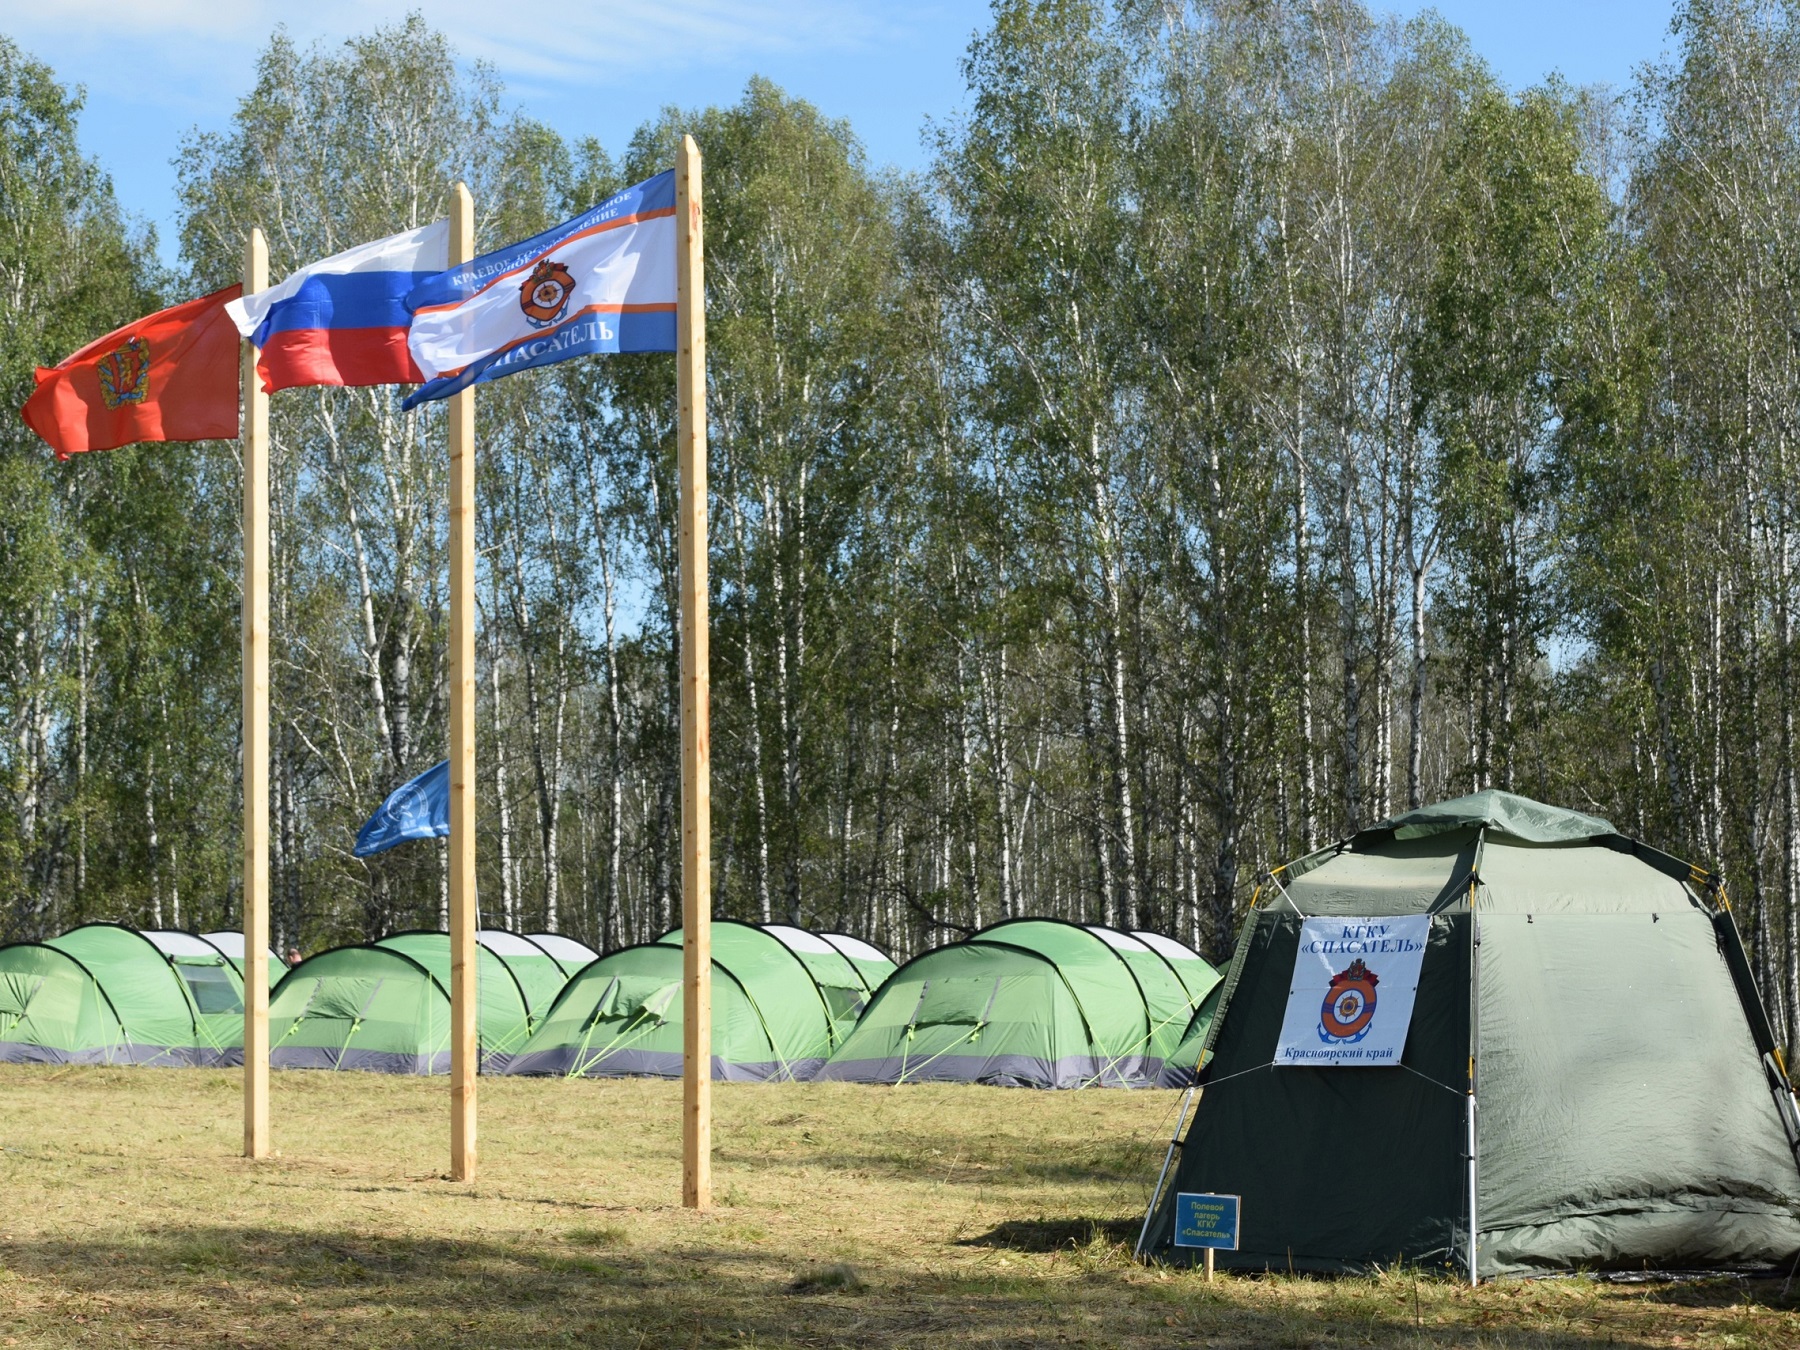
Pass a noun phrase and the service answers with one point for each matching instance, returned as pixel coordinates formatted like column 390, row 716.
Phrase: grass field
column 922, row 1216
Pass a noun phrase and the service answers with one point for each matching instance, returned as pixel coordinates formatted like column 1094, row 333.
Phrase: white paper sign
column 1351, row 1000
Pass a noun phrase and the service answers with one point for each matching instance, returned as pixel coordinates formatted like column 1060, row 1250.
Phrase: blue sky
column 155, row 69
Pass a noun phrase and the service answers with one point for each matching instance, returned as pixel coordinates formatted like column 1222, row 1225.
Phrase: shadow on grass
column 259, row 1286
column 1051, row 1235
column 906, row 1156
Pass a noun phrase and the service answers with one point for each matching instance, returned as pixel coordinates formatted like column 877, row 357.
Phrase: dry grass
column 925, row 1216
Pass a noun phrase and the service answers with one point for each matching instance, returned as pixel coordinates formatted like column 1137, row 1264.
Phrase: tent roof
column 355, row 957
column 569, row 953
column 1168, row 947
column 172, row 942
column 231, row 942
column 856, row 949
column 1502, row 813
column 503, row 942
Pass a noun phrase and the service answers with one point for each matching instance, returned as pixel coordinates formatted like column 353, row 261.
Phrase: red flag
column 171, row 376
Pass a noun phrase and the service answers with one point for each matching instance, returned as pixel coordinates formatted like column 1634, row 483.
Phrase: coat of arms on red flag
column 125, row 375
column 103, row 397
column 545, row 294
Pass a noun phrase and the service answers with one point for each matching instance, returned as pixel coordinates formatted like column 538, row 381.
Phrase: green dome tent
column 1025, row 1003
column 1573, row 1004
column 385, row 1006
column 360, row 1007
column 107, row 994
column 774, row 1009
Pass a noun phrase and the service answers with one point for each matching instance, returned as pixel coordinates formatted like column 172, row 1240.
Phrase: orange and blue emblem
column 125, row 375
column 1349, row 1007
column 545, row 294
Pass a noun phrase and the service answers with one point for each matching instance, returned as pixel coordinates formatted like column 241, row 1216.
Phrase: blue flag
column 418, row 809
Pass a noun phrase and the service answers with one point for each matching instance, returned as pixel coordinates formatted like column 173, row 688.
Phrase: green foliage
column 110, row 599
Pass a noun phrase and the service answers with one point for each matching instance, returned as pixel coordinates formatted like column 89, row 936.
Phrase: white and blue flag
column 602, row 282
column 418, row 809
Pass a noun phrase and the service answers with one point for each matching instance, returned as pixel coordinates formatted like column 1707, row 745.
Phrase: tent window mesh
column 212, row 989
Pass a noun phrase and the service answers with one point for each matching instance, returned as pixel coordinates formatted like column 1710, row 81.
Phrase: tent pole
column 696, row 736
column 1474, row 1063
column 255, row 451
column 1162, row 1176
column 1469, row 1117
column 463, row 1048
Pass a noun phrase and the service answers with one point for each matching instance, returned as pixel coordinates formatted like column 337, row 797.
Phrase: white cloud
column 574, row 44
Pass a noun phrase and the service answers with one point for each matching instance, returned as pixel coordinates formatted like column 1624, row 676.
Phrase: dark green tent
column 1584, row 1014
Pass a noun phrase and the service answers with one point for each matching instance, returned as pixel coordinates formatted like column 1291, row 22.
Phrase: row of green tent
column 104, row 993
column 1029, row 1002
column 781, row 997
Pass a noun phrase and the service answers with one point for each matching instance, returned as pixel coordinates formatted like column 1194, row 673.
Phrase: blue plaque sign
column 1206, row 1221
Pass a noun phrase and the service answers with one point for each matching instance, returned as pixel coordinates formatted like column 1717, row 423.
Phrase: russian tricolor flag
column 342, row 321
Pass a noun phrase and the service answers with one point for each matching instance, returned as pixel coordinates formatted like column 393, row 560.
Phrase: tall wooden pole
column 696, row 707
column 462, row 738
column 255, row 446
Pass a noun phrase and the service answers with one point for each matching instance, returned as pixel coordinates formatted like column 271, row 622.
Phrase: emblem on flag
column 125, row 375
column 545, row 294
column 1349, row 1004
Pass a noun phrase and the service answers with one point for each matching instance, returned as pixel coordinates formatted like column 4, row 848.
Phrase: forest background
column 1255, row 422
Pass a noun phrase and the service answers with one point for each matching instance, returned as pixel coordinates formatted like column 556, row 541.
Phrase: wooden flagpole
column 696, row 740
column 463, row 1047
column 255, row 449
